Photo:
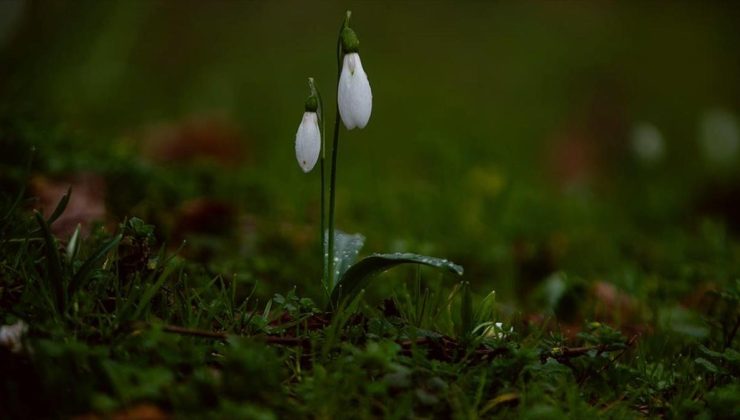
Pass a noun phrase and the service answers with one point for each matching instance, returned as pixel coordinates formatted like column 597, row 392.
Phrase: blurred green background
column 516, row 138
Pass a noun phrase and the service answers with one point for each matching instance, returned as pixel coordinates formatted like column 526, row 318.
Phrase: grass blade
column 74, row 244
column 60, row 207
column 82, row 275
column 152, row 290
column 54, row 263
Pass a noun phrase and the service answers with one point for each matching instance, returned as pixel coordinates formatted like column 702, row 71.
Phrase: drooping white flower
column 720, row 137
column 354, row 95
column 647, row 142
column 308, row 141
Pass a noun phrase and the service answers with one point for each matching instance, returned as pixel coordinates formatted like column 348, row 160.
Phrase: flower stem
column 332, row 199
column 334, row 151
column 322, row 232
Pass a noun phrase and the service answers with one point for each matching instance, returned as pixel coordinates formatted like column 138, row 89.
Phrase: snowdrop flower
column 11, row 336
column 647, row 142
column 719, row 137
column 353, row 95
column 308, row 137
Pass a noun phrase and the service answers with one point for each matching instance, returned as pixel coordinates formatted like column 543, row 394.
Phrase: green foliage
column 121, row 316
column 346, row 249
column 360, row 274
column 113, row 347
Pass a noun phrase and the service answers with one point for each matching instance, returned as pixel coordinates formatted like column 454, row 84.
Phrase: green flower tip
column 350, row 42
column 312, row 103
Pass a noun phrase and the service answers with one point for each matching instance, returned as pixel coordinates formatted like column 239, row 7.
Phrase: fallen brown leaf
column 86, row 204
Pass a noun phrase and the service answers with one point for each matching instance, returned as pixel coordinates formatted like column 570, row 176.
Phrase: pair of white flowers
column 355, row 101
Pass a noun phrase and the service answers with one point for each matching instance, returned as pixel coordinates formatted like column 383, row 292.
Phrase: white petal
column 354, row 95
column 308, row 141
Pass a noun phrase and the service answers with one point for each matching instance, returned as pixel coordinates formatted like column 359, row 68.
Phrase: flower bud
column 308, row 141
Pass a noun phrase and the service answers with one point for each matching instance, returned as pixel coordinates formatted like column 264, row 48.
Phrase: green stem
column 334, row 149
column 332, row 198
column 322, row 234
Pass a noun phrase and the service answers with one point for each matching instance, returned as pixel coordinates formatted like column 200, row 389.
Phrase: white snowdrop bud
column 354, row 95
column 308, row 141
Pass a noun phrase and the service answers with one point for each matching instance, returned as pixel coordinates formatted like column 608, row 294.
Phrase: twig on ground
column 563, row 354
column 444, row 348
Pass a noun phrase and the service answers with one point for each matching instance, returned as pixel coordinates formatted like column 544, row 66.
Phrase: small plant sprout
column 308, row 137
column 354, row 96
column 498, row 331
column 344, row 279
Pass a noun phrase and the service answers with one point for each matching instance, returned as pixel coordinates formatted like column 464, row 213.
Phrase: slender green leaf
column 706, row 364
column 359, row 275
column 152, row 290
column 74, row 244
column 83, row 274
column 54, row 263
column 60, row 207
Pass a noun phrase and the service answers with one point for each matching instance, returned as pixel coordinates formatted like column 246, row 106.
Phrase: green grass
column 117, row 320
column 618, row 295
